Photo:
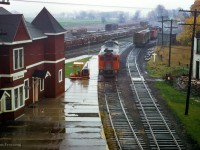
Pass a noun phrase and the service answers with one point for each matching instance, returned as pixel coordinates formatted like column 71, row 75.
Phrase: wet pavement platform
column 69, row 122
column 84, row 130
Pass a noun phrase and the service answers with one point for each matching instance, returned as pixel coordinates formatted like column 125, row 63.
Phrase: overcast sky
column 33, row 8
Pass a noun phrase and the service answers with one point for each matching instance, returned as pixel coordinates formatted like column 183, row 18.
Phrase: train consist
column 141, row 37
column 108, row 59
column 81, row 37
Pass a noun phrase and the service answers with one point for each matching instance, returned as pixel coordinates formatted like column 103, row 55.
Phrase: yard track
column 125, row 135
column 158, row 128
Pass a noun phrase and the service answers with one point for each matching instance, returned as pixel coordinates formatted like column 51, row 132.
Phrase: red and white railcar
column 108, row 58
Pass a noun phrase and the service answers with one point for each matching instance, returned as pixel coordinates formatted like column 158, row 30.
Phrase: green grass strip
column 69, row 66
column 176, row 101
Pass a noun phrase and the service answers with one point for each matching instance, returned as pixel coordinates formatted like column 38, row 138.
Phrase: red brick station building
column 31, row 61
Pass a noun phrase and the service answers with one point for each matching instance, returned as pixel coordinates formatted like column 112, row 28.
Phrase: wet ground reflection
column 70, row 121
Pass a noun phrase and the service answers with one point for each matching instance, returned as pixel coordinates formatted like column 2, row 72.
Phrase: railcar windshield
column 110, row 46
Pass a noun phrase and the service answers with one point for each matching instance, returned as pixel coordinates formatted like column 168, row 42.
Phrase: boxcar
column 141, row 38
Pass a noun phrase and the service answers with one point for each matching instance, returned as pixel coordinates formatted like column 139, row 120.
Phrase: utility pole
column 170, row 41
column 5, row 2
column 191, row 59
column 162, row 20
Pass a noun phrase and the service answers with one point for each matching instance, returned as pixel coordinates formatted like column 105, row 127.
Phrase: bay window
column 18, row 58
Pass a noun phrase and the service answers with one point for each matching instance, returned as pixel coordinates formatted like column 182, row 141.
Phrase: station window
column 26, row 89
column 198, row 46
column 41, row 84
column 18, row 97
column 60, row 75
column 21, row 98
column 18, row 58
column 0, row 106
column 8, row 101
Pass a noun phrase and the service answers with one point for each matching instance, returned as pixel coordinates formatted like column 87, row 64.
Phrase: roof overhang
column 16, row 42
column 42, row 74
column 55, row 33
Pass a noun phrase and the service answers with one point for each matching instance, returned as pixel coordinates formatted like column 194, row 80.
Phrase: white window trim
column 12, row 104
column 26, row 88
column 13, row 98
column 17, row 49
column 60, row 76
column 41, row 87
column 1, row 104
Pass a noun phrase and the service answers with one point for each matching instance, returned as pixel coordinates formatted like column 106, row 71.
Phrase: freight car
column 141, row 38
column 144, row 23
column 154, row 32
column 108, row 59
column 111, row 26
column 77, row 40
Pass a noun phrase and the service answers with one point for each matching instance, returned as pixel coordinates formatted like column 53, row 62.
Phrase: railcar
column 108, row 59
column 68, row 44
column 153, row 33
column 80, row 37
column 111, row 27
column 141, row 38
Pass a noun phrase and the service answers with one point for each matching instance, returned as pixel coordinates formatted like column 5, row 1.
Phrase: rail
column 152, row 100
column 115, row 106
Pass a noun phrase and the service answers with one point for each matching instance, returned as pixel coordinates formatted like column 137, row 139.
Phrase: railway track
column 158, row 128
column 125, row 135
column 92, row 49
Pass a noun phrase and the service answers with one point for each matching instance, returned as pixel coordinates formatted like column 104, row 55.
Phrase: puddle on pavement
column 70, row 121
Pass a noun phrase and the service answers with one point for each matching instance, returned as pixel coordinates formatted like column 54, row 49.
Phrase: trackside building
column 31, row 61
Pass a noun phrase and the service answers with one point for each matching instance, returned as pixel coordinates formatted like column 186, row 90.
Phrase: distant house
column 196, row 59
column 31, row 61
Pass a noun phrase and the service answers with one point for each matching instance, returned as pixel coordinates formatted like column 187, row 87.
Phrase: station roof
column 47, row 23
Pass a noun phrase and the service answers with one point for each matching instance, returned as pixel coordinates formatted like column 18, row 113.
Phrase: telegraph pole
column 191, row 59
column 162, row 17
column 170, row 40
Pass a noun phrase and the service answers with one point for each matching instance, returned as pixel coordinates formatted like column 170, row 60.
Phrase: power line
column 195, row 12
column 81, row 4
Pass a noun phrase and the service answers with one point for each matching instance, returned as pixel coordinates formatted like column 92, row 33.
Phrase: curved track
column 157, row 127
